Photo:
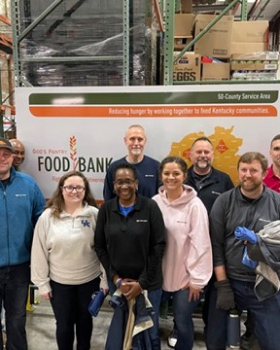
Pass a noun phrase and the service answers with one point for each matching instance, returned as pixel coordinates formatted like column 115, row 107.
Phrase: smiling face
column 135, row 140
column 202, row 156
column 19, row 152
column 251, row 177
column 172, row 177
column 73, row 190
column 6, row 161
column 125, row 186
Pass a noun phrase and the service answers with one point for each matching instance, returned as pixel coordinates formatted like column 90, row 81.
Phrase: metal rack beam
column 19, row 35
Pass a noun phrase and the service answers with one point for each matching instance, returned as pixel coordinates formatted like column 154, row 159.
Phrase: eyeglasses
column 5, row 155
column 125, row 182
column 70, row 189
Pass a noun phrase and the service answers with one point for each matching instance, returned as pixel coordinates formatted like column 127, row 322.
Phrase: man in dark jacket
column 21, row 203
column 203, row 177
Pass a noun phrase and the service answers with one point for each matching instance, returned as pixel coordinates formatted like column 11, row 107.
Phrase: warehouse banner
column 83, row 128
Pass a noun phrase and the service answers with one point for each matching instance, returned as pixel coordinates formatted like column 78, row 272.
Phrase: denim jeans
column 182, row 311
column 155, row 298
column 14, row 281
column 265, row 314
column 70, row 305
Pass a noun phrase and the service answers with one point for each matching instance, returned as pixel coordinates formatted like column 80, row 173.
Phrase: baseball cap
column 4, row 143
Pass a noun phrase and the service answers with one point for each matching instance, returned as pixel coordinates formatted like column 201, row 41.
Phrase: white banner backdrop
column 83, row 128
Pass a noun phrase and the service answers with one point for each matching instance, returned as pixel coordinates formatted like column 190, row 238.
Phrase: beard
column 136, row 151
column 250, row 186
column 203, row 164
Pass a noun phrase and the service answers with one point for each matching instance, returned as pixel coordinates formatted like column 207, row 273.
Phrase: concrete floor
column 41, row 329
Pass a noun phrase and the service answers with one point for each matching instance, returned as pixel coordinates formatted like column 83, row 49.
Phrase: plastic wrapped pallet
column 81, row 30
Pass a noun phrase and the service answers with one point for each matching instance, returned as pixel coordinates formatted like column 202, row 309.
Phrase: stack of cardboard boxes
column 250, row 59
column 221, row 50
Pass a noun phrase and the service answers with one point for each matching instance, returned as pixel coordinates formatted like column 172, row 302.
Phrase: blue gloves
column 244, row 234
column 96, row 303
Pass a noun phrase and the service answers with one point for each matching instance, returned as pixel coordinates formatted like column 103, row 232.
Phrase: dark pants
column 14, row 281
column 70, row 305
column 265, row 314
column 182, row 310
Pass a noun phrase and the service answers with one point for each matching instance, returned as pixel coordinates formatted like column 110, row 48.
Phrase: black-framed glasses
column 70, row 189
column 125, row 182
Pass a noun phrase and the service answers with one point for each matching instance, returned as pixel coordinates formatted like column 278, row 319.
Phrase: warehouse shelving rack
column 169, row 7
column 19, row 35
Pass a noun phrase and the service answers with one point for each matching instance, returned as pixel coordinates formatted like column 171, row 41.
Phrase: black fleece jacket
column 131, row 246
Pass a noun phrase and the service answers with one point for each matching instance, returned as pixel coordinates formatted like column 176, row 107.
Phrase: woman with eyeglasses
column 64, row 264
column 129, row 241
column 187, row 261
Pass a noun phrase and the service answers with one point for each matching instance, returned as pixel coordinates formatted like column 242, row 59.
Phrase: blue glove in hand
column 244, row 234
column 225, row 299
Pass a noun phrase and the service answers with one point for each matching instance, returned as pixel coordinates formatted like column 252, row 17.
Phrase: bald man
column 147, row 168
column 19, row 153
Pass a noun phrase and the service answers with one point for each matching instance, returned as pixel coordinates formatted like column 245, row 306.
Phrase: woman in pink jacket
column 187, row 262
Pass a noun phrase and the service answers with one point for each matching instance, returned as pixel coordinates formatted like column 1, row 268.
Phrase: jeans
column 70, row 305
column 182, row 310
column 265, row 314
column 155, row 298
column 14, row 282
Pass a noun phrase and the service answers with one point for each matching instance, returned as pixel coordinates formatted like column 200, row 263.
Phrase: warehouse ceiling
column 256, row 9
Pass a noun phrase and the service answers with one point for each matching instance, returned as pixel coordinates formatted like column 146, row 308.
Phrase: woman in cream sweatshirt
column 64, row 264
column 187, row 261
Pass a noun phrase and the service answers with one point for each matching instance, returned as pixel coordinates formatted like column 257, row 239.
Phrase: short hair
column 136, row 126
column 249, row 157
column 127, row 166
column 275, row 138
column 56, row 203
column 173, row 159
column 202, row 138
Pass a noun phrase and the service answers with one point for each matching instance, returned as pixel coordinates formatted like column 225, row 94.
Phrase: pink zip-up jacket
column 188, row 252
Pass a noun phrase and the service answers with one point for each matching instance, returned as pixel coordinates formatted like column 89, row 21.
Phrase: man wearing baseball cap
column 21, row 203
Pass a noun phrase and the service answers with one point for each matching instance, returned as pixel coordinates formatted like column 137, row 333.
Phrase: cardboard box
column 254, row 76
column 250, row 31
column 259, row 55
column 187, row 68
column 215, row 71
column 186, row 6
column 181, row 42
column 244, row 48
column 183, row 25
column 216, row 42
column 255, row 61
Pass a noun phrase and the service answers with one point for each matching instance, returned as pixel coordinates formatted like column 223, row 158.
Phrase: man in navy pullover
column 146, row 167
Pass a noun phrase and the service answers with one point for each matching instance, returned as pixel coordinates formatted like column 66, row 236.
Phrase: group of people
column 164, row 232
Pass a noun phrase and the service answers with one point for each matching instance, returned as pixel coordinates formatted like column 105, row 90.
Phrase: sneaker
column 172, row 339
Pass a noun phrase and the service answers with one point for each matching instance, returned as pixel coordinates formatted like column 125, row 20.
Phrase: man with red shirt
column 272, row 179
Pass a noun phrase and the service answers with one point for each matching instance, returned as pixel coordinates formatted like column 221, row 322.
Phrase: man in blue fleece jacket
column 21, row 203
